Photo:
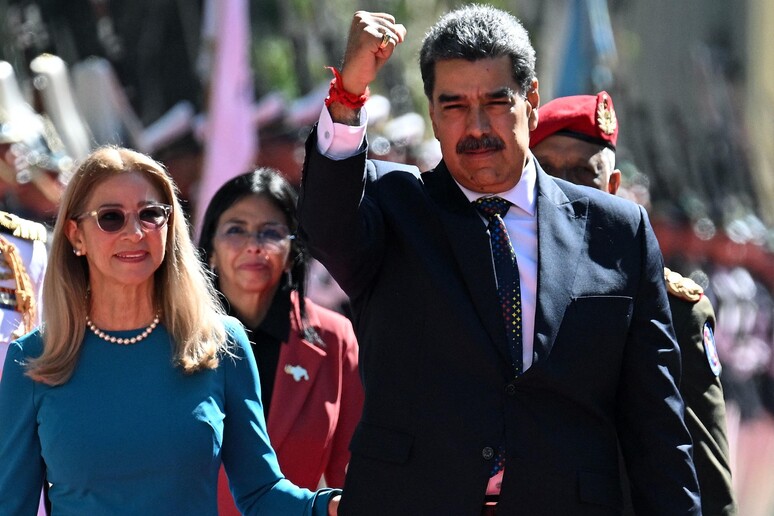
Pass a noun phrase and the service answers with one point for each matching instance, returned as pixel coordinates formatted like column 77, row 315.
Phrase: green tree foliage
column 293, row 41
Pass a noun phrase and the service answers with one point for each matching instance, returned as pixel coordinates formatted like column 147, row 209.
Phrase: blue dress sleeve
column 21, row 473
column 254, row 476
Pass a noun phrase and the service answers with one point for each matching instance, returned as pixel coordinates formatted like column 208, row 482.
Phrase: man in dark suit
column 469, row 366
column 576, row 140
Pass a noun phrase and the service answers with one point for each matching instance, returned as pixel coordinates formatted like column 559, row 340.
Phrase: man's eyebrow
column 446, row 97
column 504, row 92
column 501, row 93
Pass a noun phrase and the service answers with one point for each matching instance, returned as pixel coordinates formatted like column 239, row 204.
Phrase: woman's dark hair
column 269, row 183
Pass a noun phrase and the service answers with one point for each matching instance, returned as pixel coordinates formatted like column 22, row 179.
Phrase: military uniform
column 705, row 411
column 693, row 319
column 592, row 119
column 23, row 257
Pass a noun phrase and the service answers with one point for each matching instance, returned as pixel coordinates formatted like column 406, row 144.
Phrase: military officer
column 575, row 140
column 29, row 179
column 23, row 252
column 23, row 258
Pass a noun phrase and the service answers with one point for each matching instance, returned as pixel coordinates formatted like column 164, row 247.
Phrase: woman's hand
column 333, row 505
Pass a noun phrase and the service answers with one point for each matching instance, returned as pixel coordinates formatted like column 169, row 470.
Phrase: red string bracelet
column 338, row 94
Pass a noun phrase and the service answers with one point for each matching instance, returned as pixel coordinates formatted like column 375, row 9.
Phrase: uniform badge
column 297, row 372
column 711, row 350
column 606, row 119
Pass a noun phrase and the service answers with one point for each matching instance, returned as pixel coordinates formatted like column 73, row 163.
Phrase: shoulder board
column 22, row 228
column 682, row 287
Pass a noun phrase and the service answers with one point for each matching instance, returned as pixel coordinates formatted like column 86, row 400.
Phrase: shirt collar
column 522, row 195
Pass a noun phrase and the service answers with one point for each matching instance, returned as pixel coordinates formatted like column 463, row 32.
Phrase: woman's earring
column 77, row 252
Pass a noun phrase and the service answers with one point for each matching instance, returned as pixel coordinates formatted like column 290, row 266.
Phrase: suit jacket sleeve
column 335, row 214
column 654, row 439
column 351, row 405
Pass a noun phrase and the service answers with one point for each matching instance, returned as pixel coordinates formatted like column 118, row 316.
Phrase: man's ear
column 533, row 99
column 614, row 182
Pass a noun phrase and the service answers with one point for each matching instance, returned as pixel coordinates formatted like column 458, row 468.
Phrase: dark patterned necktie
column 507, row 271
column 508, row 290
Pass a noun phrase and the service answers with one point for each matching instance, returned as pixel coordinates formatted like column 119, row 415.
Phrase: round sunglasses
column 111, row 219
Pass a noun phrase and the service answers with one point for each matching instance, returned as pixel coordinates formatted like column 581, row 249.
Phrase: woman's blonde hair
column 189, row 306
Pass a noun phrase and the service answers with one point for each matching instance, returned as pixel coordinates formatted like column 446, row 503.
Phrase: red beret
column 586, row 117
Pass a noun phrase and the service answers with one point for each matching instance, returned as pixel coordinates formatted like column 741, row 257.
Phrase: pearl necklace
column 119, row 340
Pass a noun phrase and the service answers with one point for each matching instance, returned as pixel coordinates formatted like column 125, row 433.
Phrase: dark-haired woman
column 307, row 355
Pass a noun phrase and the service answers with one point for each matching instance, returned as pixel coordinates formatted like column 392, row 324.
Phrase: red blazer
column 316, row 404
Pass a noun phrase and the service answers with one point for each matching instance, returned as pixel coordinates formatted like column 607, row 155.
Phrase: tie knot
column 491, row 206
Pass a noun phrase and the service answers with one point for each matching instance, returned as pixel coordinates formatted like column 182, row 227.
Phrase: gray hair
column 476, row 32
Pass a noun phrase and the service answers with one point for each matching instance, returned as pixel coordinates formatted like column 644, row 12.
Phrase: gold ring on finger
column 385, row 40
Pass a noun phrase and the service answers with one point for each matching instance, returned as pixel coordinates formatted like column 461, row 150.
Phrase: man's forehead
column 479, row 78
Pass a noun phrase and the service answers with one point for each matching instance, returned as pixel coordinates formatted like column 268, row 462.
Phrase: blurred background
column 213, row 88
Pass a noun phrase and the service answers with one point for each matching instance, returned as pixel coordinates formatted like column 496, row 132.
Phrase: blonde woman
column 136, row 387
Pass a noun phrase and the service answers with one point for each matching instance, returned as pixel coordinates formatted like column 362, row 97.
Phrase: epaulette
column 20, row 298
column 682, row 287
column 22, row 228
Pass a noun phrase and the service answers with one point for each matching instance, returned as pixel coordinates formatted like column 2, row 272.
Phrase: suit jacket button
column 487, row 453
column 510, row 389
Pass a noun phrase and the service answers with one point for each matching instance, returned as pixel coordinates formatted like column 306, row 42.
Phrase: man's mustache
column 486, row 142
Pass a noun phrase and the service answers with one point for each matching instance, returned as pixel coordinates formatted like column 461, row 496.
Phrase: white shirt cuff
column 340, row 141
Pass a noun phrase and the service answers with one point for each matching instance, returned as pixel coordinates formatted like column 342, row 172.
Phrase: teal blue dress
column 130, row 434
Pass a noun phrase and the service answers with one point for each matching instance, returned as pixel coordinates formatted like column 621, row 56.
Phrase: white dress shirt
column 340, row 141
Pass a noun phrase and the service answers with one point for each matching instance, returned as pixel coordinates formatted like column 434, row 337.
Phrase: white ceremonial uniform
column 29, row 240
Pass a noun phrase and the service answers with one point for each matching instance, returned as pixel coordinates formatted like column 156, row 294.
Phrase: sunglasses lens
column 153, row 217
column 111, row 220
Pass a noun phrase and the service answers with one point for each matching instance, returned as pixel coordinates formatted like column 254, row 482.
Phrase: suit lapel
column 469, row 242
column 561, row 238
column 297, row 369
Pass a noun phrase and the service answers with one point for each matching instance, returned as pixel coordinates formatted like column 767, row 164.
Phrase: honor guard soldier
column 31, row 163
column 24, row 154
column 575, row 140
column 34, row 164
column 23, row 258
